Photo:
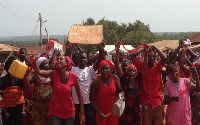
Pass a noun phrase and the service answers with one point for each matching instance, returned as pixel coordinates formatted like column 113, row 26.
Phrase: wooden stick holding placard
column 3, row 64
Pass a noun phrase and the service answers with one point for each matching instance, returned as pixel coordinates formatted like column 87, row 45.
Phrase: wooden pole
column 47, row 34
column 40, row 18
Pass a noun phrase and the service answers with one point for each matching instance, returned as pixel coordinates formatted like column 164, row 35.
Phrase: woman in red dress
column 103, row 94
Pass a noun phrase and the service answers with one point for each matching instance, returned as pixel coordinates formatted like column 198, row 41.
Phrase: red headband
column 106, row 62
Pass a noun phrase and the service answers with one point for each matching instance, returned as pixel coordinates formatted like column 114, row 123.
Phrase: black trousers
column 15, row 117
column 89, row 115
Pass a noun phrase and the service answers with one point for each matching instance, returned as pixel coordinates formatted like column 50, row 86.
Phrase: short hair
column 126, row 61
column 23, row 49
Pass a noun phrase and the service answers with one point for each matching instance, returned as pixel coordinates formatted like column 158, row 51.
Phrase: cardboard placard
column 53, row 47
column 86, row 34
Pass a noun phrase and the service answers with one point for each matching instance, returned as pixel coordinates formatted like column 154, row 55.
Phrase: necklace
column 132, row 85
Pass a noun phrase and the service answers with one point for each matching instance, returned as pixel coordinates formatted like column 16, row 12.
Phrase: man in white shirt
column 86, row 76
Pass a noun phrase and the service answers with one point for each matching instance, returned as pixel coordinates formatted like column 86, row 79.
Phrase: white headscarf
column 40, row 60
column 38, row 63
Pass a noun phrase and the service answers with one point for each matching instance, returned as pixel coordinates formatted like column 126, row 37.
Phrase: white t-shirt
column 85, row 76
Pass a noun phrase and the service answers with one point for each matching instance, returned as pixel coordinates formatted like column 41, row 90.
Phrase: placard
column 91, row 34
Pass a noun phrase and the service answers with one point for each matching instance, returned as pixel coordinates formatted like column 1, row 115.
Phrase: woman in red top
column 61, row 107
column 103, row 94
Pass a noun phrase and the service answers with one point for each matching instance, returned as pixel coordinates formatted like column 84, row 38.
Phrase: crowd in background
column 77, row 88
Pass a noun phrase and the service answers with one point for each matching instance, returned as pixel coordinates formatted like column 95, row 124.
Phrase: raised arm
column 161, row 54
column 101, row 48
column 68, row 47
column 134, row 54
column 117, row 64
column 145, row 64
column 183, row 67
column 92, row 59
column 44, row 73
column 88, row 51
column 174, row 54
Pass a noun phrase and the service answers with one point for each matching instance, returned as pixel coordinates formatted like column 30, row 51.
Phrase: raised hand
column 181, row 42
column 101, row 45
column 147, row 48
column 31, row 59
column 68, row 45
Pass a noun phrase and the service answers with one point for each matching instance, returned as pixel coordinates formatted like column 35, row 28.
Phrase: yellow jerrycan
column 18, row 69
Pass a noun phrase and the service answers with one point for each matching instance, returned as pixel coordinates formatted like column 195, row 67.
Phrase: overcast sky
column 19, row 17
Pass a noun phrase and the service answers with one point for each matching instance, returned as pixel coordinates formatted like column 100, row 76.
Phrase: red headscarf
column 69, row 62
column 197, row 64
column 106, row 62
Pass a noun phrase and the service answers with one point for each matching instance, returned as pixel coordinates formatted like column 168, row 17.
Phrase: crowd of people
column 79, row 89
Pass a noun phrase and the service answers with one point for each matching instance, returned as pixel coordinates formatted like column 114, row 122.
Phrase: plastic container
column 18, row 69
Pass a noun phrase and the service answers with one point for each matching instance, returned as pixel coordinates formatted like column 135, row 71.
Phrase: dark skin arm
column 196, row 87
column 145, row 64
column 183, row 67
column 80, row 98
column 44, row 73
column 101, row 48
column 134, row 54
column 161, row 54
column 94, row 88
column 1, row 71
column 168, row 100
column 27, row 82
column 92, row 59
column 117, row 64
column 173, row 56
column 118, row 84
column 88, row 51
column 69, row 48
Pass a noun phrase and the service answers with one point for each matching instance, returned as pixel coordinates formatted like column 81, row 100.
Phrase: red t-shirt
column 150, row 92
column 61, row 104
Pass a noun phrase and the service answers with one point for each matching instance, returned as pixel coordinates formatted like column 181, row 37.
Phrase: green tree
column 89, row 21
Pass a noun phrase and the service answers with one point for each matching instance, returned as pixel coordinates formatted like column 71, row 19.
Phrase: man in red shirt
column 151, row 97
